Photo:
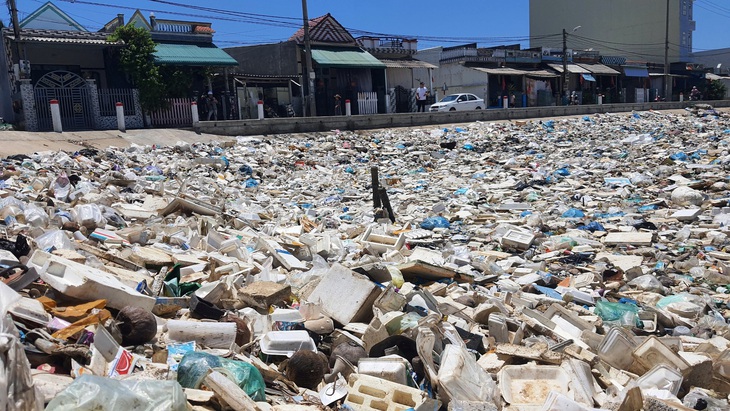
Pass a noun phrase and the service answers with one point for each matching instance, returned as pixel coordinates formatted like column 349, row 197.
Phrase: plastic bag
column 617, row 313
column 435, row 222
column 61, row 187
column 17, row 392
column 647, row 282
column 35, row 216
column 195, row 365
column 54, row 240
column 89, row 392
column 573, row 213
column 89, row 215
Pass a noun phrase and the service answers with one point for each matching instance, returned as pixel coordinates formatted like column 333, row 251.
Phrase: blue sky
column 433, row 23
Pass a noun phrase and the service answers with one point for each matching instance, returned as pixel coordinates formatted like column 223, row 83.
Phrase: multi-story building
column 630, row 28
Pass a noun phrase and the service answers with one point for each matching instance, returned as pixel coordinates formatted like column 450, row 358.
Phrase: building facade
column 635, row 29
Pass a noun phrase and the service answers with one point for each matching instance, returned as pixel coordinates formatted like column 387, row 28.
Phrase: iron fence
column 109, row 97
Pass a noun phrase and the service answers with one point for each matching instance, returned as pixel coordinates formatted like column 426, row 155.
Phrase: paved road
column 23, row 142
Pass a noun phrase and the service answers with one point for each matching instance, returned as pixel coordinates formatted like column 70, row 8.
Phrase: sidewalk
column 25, row 142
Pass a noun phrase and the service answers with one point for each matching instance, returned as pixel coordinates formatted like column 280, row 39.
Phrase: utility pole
column 16, row 26
column 667, row 97
column 308, row 62
column 565, row 64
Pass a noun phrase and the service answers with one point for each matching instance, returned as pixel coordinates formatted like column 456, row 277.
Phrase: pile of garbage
column 573, row 264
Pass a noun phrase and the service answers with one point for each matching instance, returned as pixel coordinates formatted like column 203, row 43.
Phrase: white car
column 458, row 102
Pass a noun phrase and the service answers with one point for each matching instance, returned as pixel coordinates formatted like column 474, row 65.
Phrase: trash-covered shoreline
column 574, row 264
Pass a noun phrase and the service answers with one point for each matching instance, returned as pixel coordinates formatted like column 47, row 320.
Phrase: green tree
column 715, row 90
column 136, row 60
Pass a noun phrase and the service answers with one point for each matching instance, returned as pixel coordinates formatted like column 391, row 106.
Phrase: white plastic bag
column 90, row 392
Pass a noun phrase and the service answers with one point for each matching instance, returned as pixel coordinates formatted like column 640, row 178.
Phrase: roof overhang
column 599, row 69
column 62, row 37
column 572, row 68
column 345, row 57
column 192, row 55
column 636, row 71
column 508, row 71
column 407, row 63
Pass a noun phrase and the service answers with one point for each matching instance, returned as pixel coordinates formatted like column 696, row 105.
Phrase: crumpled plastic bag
column 195, row 365
column 17, row 392
column 647, row 282
column 435, row 222
column 617, row 313
column 89, row 393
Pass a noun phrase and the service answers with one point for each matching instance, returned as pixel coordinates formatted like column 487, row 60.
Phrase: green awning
column 345, row 58
column 192, row 55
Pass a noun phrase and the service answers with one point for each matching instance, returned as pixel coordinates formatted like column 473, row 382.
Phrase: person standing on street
column 421, row 93
column 211, row 104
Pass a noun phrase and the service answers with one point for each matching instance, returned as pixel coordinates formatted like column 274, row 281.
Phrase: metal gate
column 402, row 99
column 74, row 101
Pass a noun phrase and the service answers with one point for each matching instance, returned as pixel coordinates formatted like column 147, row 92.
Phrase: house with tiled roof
column 55, row 57
column 275, row 73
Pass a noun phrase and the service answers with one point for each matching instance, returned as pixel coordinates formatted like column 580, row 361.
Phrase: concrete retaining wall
column 363, row 122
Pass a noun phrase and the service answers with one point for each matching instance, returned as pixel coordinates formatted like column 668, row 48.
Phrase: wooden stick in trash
column 230, row 392
column 386, row 203
column 376, row 186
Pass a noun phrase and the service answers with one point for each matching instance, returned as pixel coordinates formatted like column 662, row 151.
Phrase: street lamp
column 565, row 60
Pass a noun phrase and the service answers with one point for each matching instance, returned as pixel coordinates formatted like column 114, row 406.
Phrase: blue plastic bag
column 435, row 222
column 573, row 213
column 592, row 226
column 195, row 365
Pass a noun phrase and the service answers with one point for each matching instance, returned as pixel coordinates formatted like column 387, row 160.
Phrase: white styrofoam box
column 86, row 283
column 288, row 315
column 615, row 347
column 382, row 243
column 653, row 351
column 286, row 342
column 661, row 377
column 529, row 384
column 371, row 393
column 345, row 296
column 393, row 368
column 518, row 239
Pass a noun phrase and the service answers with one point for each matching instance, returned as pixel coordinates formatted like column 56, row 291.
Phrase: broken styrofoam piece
column 86, row 283
column 557, row 401
column 284, row 257
column 344, row 295
column 630, row 238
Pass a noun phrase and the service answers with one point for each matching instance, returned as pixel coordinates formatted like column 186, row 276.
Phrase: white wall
column 460, row 79
column 635, row 28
